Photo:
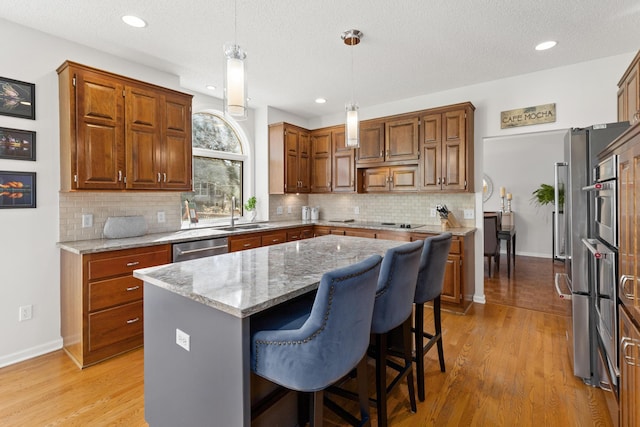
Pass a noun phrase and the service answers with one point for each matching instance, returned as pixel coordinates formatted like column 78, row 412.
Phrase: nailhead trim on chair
column 324, row 323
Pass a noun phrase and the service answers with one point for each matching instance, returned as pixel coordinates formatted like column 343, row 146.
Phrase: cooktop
column 383, row 224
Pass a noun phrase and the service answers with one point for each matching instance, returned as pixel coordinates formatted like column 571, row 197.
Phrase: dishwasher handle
column 195, row 251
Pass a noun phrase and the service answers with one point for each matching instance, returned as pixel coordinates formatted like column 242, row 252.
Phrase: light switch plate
column 356, row 210
column 183, row 339
column 161, row 217
column 87, row 220
column 279, row 210
column 468, row 214
column 433, row 212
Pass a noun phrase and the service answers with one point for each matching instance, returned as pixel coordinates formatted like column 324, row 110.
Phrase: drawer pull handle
column 133, row 320
column 133, row 288
column 131, row 264
column 246, row 245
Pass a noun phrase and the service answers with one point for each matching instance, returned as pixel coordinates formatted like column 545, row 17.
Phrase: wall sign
column 528, row 116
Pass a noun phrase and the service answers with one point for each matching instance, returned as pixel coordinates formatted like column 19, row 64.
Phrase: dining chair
column 491, row 242
column 307, row 348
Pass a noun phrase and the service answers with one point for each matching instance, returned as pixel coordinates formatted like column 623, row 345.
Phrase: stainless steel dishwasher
column 199, row 249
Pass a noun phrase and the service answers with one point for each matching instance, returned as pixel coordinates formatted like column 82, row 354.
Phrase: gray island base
column 207, row 305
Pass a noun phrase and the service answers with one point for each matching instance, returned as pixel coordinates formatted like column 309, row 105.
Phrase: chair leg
column 437, row 319
column 316, row 408
column 381, row 379
column 304, row 403
column 419, row 344
column 408, row 360
column 489, row 261
column 363, row 392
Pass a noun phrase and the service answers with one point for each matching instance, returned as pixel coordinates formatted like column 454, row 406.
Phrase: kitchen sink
column 242, row 227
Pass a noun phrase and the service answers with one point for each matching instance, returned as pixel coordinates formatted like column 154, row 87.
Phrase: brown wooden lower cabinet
column 629, row 386
column 101, row 302
column 243, row 242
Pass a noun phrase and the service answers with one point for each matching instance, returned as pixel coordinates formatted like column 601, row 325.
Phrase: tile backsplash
column 410, row 208
column 105, row 204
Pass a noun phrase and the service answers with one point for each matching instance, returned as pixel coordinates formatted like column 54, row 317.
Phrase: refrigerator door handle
column 566, row 279
column 556, row 205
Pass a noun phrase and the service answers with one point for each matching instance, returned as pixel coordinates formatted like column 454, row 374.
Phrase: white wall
column 530, row 163
column 29, row 261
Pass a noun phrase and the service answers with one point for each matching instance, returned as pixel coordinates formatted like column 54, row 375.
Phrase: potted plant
column 545, row 194
column 250, row 207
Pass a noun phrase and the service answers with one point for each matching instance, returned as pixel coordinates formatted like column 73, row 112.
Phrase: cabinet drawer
column 456, row 246
column 274, row 238
column 243, row 243
column 111, row 292
column 115, row 324
column 124, row 262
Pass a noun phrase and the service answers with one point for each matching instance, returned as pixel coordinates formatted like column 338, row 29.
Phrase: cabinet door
column 454, row 149
column 344, row 171
column 401, row 140
column 143, row 130
column 403, row 178
column 291, row 137
column 622, row 105
column 321, row 162
column 99, row 146
column 371, row 143
column 176, row 153
column 376, row 179
column 629, row 387
column 431, row 147
column 632, row 90
column 304, row 162
column 452, row 274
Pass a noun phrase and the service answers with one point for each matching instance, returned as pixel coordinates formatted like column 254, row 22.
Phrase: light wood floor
column 506, row 366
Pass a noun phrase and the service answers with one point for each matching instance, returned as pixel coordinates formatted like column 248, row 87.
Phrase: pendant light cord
column 235, row 22
column 352, row 79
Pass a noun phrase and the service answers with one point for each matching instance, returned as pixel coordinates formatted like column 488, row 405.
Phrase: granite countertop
column 247, row 282
column 103, row 245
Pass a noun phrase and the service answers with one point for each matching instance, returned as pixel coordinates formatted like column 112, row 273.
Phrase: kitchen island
column 197, row 320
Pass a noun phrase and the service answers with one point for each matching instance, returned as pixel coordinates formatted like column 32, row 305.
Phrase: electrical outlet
column 87, row 220
column 433, row 212
column 289, row 209
column 183, row 339
column 356, row 210
column 279, row 210
column 468, row 214
column 26, row 312
column 161, row 217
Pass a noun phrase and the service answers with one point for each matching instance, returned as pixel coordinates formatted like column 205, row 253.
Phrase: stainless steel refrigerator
column 581, row 148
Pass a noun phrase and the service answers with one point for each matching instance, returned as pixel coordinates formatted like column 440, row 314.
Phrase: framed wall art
column 16, row 144
column 17, row 99
column 17, row 190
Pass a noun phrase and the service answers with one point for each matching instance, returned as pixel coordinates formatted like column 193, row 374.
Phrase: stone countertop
column 186, row 235
column 247, row 282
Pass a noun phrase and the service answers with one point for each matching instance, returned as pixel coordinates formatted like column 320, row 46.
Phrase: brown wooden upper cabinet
column 629, row 93
column 393, row 141
column 118, row 133
column 321, row 161
column 289, row 159
column 446, row 144
column 332, row 163
column 392, row 178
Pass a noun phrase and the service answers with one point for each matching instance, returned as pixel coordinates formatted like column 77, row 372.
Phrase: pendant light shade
column 352, row 126
column 352, row 122
column 235, row 82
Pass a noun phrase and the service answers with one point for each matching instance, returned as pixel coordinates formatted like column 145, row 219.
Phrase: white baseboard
column 480, row 299
column 30, row 353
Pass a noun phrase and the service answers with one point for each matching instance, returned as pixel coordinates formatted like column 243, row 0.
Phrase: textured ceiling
column 295, row 54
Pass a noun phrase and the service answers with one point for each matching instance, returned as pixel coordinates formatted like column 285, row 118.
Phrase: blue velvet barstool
column 308, row 349
column 393, row 307
column 433, row 263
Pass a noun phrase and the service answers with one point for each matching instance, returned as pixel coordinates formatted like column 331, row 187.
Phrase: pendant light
column 235, row 76
column 352, row 123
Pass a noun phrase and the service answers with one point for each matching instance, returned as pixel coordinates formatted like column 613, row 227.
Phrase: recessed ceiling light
column 211, row 87
column 134, row 21
column 546, row 45
column 320, row 100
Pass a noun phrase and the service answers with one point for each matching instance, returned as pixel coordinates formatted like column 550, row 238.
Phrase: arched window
column 218, row 169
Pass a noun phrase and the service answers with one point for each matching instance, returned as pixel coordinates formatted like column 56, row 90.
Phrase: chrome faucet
column 233, row 209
